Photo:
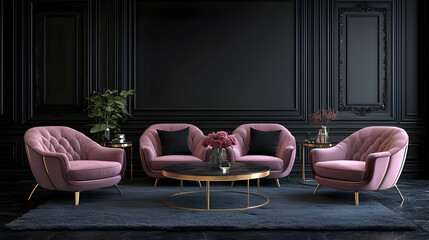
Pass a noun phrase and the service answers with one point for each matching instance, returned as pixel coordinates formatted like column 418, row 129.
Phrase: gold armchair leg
column 357, row 198
column 199, row 183
column 315, row 190
column 31, row 194
column 76, row 198
column 232, row 183
column 277, row 182
column 156, row 182
column 117, row 187
column 400, row 194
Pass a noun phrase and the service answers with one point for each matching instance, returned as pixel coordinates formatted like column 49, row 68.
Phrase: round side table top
column 118, row 144
column 324, row 145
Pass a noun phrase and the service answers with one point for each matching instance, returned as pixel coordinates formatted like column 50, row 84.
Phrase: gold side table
column 305, row 145
column 123, row 146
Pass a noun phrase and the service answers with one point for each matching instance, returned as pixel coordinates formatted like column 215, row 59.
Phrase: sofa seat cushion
column 159, row 162
column 274, row 163
column 346, row 170
column 82, row 170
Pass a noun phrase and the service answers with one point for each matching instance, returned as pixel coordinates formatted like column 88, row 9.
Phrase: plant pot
column 107, row 135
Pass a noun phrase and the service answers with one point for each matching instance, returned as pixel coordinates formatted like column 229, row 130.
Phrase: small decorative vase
column 323, row 136
column 217, row 156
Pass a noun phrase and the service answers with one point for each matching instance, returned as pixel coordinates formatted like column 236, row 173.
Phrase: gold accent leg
column 248, row 195
column 259, row 185
column 400, row 194
column 34, row 189
column 303, row 165
column 131, row 159
column 181, row 186
column 232, row 183
column 288, row 178
column 199, row 183
column 277, row 182
column 208, row 194
column 315, row 190
column 117, row 187
column 76, row 198
column 357, row 198
column 156, row 182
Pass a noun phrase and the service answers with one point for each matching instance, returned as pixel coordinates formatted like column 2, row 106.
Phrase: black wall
column 216, row 65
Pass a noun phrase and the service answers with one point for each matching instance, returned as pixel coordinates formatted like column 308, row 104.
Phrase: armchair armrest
column 233, row 152
column 376, row 165
column 56, row 166
column 376, row 155
column 59, row 158
column 327, row 154
column 285, row 151
column 107, row 154
column 147, row 152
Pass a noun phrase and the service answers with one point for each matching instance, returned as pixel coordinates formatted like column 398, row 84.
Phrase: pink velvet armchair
column 151, row 155
column 64, row 159
column 368, row 160
column 281, row 164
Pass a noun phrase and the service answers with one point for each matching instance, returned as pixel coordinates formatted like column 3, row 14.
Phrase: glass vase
column 217, row 156
column 323, row 136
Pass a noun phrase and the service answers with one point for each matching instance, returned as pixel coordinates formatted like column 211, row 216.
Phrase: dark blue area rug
column 291, row 207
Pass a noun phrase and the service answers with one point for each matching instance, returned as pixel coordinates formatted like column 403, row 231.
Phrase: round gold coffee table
column 204, row 172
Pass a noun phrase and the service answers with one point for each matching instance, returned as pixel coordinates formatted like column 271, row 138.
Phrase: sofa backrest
column 374, row 139
column 150, row 136
column 59, row 139
column 242, row 133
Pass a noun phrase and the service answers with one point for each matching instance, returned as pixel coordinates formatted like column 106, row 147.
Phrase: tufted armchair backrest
column 242, row 133
column 374, row 139
column 59, row 139
column 150, row 136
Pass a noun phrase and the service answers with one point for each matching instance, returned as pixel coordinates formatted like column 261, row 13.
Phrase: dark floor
column 13, row 204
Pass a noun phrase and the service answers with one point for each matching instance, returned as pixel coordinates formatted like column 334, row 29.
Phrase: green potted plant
column 109, row 107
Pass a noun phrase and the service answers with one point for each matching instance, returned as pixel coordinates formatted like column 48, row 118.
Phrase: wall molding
column 295, row 113
column 39, row 109
column 362, row 110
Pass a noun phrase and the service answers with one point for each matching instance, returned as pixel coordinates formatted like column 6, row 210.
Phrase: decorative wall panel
column 226, row 63
column 364, row 60
column 60, row 65
column 7, row 81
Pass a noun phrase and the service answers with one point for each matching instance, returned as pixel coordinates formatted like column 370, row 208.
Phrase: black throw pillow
column 175, row 142
column 263, row 142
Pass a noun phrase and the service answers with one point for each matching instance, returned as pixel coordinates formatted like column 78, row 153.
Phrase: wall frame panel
column 59, row 80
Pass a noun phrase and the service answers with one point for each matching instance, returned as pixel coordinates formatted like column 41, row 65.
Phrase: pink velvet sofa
column 281, row 164
column 64, row 159
column 151, row 150
column 368, row 160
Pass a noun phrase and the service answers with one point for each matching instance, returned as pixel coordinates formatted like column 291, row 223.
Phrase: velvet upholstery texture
column 151, row 149
column 64, row 159
column 369, row 159
column 281, row 164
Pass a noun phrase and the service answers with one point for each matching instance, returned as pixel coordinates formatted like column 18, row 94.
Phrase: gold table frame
column 305, row 145
column 123, row 146
column 209, row 179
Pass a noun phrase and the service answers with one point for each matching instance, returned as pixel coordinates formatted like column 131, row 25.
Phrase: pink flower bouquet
column 219, row 140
